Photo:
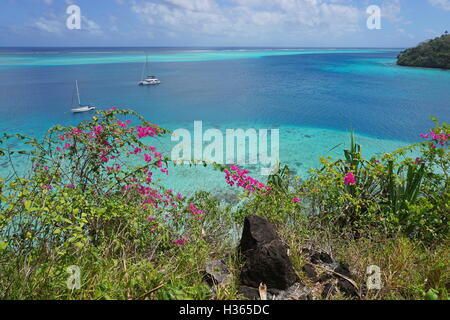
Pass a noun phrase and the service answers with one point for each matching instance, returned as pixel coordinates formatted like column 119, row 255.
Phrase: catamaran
column 149, row 80
column 81, row 108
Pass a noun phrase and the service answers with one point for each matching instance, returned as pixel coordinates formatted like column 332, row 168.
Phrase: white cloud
column 391, row 10
column 443, row 4
column 194, row 5
column 50, row 25
column 92, row 27
column 56, row 25
column 287, row 19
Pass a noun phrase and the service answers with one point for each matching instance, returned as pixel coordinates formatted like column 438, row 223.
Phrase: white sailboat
column 81, row 108
column 149, row 80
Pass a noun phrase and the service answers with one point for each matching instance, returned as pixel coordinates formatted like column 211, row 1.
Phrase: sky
column 230, row 23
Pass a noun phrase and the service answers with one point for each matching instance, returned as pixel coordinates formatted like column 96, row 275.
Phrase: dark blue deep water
column 362, row 91
column 338, row 90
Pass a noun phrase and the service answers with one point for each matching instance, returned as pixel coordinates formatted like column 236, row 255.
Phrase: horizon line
column 244, row 47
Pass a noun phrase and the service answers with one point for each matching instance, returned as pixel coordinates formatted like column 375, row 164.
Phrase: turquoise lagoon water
column 313, row 96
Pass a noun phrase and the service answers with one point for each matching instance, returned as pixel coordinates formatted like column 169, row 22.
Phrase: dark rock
column 249, row 292
column 334, row 276
column 321, row 258
column 310, row 271
column 347, row 288
column 266, row 259
column 217, row 272
column 343, row 269
column 296, row 292
column 325, row 277
column 257, row 232
column 329, row 290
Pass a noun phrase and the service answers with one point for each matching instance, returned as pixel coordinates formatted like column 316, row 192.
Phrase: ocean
column 315, row 97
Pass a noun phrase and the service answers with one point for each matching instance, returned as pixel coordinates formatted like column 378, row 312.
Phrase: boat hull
column 149, row 83
column 82, row 109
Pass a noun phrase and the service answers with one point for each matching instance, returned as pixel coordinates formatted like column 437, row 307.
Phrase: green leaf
column 3, row 245
column 27, row 204
column 432, row 294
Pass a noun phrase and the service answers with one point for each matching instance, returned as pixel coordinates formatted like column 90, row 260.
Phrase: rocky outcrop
column 335, row 276
column 266, row 259
column 267, row 262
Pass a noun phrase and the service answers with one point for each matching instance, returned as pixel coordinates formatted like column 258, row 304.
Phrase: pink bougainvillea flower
column 147, row 158
column 296, row 200
column 98, row 130
column 122, row 124
column 146, row 131
column 194, row 210
column 437, row 137
column 238, row 177
column 181, row 242
column 77, row 131
column 349, row 178
column 158, row 155
column 67, row 146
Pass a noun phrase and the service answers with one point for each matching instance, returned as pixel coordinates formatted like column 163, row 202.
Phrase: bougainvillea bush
column 92, row 182
column 404, row 191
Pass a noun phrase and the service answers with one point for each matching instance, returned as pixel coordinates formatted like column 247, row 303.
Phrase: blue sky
column 284, row 23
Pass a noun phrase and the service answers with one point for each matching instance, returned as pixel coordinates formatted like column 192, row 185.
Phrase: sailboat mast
column 143, row 70
column 78, row 93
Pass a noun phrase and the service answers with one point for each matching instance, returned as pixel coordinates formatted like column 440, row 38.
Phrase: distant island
column 434, row 53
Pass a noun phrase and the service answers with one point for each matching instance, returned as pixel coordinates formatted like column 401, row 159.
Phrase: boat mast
column 78, row 93
column 144, row 69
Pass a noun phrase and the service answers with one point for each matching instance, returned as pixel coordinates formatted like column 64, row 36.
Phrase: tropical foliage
column 432, row 54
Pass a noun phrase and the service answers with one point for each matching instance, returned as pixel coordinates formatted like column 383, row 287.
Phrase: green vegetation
column 94, row 199
column 431, row 54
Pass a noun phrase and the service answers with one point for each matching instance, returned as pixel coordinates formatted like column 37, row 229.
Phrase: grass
column 409, row 270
